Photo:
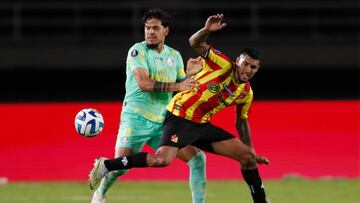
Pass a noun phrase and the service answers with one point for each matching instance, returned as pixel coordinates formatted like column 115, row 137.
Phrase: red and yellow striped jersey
column 218, row 90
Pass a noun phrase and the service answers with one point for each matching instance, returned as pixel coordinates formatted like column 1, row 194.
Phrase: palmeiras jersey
column 166, row 66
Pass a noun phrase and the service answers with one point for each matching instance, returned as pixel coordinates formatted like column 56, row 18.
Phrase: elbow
column 194, row 43
column 191, row 42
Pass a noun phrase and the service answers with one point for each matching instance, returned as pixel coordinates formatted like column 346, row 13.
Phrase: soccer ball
column 89, row 122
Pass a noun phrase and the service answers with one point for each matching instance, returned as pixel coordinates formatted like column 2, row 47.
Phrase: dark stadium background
column 73, row 52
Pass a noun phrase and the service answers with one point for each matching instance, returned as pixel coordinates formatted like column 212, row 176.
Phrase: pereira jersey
column 218, row 90
column 166, row 66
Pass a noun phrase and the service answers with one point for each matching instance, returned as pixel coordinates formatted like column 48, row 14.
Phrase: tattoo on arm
column 162, row 86
column 204, row 48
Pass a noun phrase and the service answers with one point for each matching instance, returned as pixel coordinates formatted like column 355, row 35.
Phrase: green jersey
column 166, row 66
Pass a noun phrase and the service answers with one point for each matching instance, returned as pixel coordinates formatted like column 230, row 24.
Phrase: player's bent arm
column 197, row 41
column 146, row 84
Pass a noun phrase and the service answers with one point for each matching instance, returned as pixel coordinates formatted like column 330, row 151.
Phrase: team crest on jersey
column 170, row 62
column 213, row 87
column 134, row 53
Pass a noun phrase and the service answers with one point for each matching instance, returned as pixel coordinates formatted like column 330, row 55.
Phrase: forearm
column 157, row 86
column 165, row 87
column 199, row 37
column 243, row 129
column 198, row 41
column 146, row 84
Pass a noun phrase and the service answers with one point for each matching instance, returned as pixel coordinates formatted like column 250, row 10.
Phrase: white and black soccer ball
column 89, row 122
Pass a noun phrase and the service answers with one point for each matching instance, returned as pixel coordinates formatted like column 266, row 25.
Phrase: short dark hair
column 252, row 52
column 157, row 13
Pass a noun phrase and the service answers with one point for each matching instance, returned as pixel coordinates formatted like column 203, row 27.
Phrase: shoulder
column 171, row 50
column 213, row 52
column 248, row 90
column 136, row 48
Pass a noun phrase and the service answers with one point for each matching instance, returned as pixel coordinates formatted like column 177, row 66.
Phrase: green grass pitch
column 284, row 191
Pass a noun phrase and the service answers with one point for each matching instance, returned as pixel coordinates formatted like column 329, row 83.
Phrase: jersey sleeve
column 136, row 57
column 242, row 109
column 216, row 57
column 181, row 75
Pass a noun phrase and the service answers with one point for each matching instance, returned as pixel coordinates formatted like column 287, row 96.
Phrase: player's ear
column 167, row 31
column 237, row 60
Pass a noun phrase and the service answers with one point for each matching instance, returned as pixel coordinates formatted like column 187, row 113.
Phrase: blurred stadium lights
column 42, row 42
column 64, row 30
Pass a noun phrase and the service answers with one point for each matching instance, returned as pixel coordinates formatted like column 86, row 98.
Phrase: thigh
column 232, row 148
column 135, row 132
column 177, row 132
column 155, row 137
column 209, row 134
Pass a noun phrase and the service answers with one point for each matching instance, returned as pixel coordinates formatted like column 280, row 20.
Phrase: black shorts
column 179, row 132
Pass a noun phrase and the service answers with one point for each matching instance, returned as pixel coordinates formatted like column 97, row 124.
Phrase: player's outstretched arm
column 198, row 40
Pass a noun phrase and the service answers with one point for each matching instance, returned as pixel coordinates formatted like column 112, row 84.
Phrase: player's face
column 155, row 33
column 246, row 67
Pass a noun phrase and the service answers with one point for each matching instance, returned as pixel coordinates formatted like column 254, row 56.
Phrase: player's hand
column 262, row 160
column 213, row 23
column 188, row 84
column 193, row 66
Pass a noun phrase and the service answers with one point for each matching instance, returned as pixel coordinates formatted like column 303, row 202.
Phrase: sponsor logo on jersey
column 217, row 51
column 174, row 138
column 124, row 140
column 228, row 90
column 213, row 87
column 134, row 53
column 124, row 161
column 177, row 107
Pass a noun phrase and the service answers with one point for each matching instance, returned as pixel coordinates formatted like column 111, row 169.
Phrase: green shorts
column 136, row 131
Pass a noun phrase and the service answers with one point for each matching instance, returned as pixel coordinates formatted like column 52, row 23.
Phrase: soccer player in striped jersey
column 154, row 71
column 222, row 83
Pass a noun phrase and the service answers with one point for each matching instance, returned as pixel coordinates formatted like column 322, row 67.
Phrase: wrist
column 165, row 86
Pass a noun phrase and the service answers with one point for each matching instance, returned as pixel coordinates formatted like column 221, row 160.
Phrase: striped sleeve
column 242, row 109
column 217, row 57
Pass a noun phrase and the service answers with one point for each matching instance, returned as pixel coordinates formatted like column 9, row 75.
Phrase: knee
column 161, row 162
column 248, row 160
column 199, row 160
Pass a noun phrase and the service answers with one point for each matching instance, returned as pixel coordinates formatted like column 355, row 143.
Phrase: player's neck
column 159, row 48
column 235, row 75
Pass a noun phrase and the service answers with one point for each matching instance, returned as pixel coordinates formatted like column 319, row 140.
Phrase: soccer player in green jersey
column 154, row 71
